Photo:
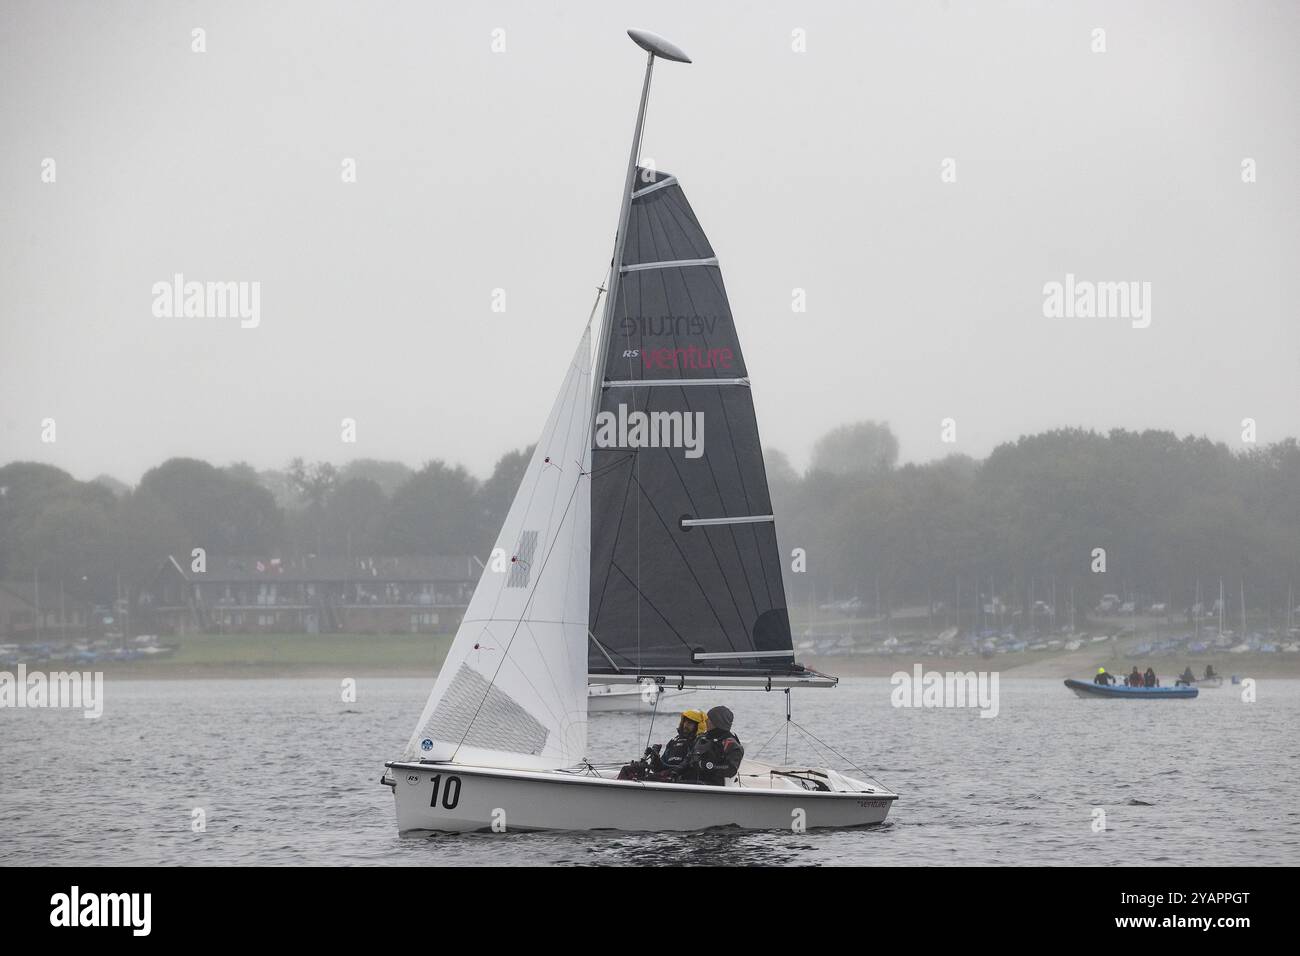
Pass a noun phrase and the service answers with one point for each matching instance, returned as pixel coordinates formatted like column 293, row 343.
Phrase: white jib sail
column 513, row 689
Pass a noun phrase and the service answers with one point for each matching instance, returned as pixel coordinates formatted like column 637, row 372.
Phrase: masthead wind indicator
column 658, row 46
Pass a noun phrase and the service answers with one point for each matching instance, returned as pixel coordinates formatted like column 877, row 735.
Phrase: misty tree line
column 102, row 538
column 1167, row 511
column 1024, row 523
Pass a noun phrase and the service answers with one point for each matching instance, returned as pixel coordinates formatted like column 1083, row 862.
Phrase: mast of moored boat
column 1221, row 606
column 1243, row 609
column 1197, row 611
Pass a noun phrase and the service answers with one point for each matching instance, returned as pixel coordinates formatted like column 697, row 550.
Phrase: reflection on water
column 284, row 773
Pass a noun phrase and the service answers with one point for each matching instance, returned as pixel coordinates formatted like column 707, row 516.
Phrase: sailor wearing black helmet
column 717, row 753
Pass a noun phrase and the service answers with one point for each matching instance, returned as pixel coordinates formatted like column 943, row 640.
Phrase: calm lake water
column 288, row 774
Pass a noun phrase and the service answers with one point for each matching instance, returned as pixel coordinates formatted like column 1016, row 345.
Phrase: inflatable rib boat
column 1089, row 689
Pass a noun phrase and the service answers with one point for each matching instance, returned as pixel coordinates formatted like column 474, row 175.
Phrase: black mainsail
column 686, row 576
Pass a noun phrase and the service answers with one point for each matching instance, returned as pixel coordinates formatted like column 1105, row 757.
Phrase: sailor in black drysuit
column 717, row 753
column 677, row 752
column 667, row 763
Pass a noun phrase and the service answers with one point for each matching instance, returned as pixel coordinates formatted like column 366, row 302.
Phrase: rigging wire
column 769, row 741
column 787, row 725
column 784, row 727
column 653, row 713
column 817, row 742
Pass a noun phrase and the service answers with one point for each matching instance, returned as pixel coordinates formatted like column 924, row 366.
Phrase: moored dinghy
column 625, row 698
column 639, row 552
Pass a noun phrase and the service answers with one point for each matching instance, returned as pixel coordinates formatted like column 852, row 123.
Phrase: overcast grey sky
column 819, row 170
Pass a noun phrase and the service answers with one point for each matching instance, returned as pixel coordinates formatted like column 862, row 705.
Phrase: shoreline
column 1078, row 664
column 1056, row 667
column 338, row 656
column 257, row 671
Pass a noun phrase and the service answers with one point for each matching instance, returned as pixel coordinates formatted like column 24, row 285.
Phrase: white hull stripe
column 742, row 519
column 669, row 181
column 671, row 264
column 658, row 382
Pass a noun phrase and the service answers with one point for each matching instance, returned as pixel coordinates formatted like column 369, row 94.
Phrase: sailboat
column 626, row 698
column 642, row 548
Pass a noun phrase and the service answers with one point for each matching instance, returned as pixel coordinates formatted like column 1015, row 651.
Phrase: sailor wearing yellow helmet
column 678, row 750
column 1103, row 678
column 665, row 763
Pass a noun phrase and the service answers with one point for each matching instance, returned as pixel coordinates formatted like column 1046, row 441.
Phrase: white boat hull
column 456, row 798
column 624, row 698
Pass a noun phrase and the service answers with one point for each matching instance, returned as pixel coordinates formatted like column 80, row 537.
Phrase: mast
column 654, row 46
column 685, row 571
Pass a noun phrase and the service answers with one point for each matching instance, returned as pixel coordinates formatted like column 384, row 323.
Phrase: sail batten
column 735, row 519
column 685, row 574
column 676, row 382
column 670, row 264
column 661, row 184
